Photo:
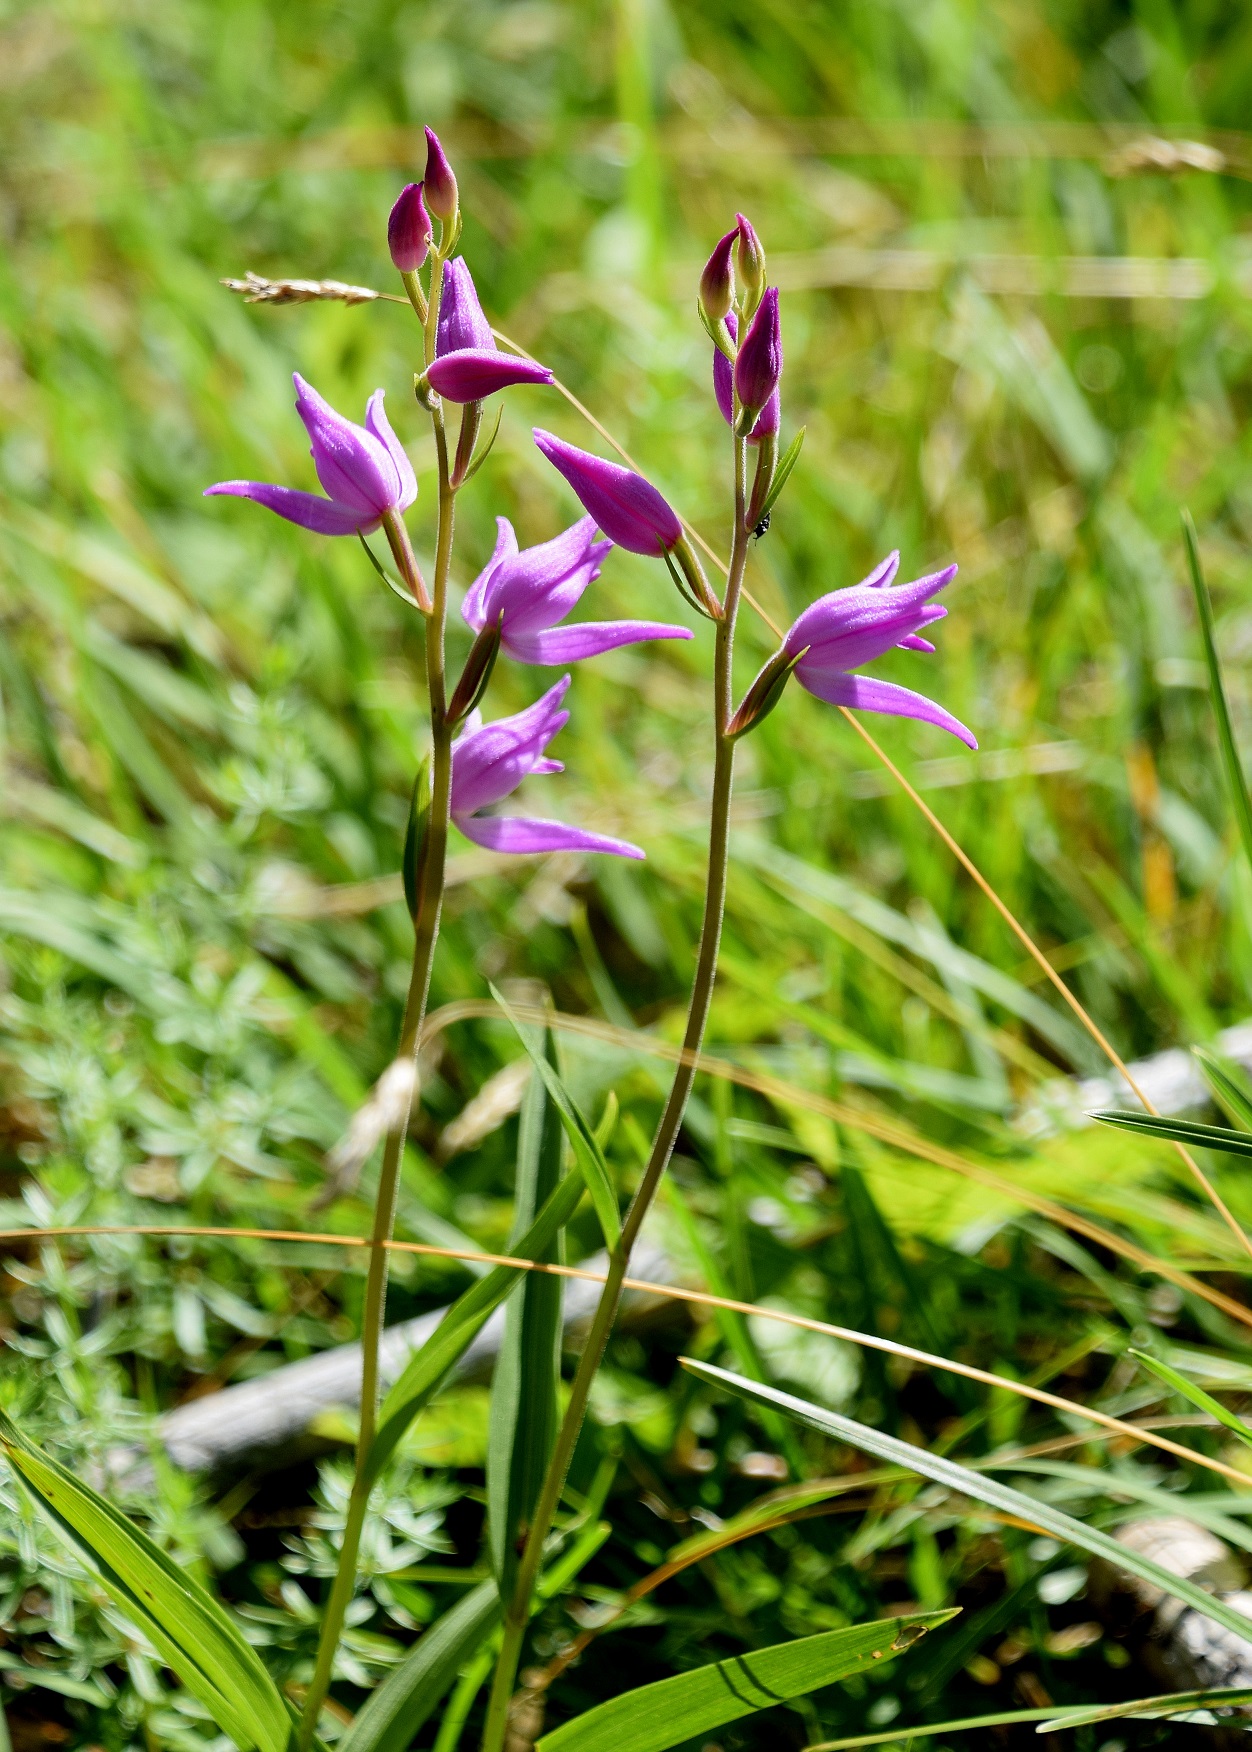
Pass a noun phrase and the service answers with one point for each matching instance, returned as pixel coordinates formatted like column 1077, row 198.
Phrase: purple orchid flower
column 468, row 366
column 723, row 388
column 627, row 508
column 489, row 762
column 526, row 593
column 849, row 627
column 363, row 470
column 408, row 230
column 441, row 192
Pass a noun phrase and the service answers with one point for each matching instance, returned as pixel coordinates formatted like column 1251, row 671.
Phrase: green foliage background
column 209, row 719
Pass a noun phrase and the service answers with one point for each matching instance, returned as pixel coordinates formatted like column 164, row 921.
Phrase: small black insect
column 761, row 527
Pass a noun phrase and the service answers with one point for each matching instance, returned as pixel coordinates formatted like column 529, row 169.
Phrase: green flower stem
column 517, row 1609
column 430, row 906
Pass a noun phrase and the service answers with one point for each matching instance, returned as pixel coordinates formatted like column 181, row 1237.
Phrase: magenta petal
column 723, row 382
column 306, row 509
column 626, row 507
column 588, row 639
column 376, row 421
column 913, row 642
column 477, row 597
column 490, row 762
column 354, row 467
column 864, row 693
column 884, row 572
column 461, row 320
column 474, row 373
column 519, row 833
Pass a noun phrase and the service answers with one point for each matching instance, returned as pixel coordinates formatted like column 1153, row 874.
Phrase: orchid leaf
column 655, row 1717
column 393, row 584
column 980, row 1489
column 528, row 1369
column 191, row 1632
column 428, row 1368
column 1178, row 1131
column 582, row 1137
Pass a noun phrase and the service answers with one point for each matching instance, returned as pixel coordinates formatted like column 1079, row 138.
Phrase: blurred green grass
column 210, row 718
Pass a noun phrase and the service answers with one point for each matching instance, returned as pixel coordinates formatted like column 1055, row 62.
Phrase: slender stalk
column 430, row 905
column 517, row 1609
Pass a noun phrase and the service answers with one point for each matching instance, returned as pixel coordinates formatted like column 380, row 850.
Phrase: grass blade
column 1178, row 1131
column 978, row 1488
column 409, row 1695
column 1231, row 1094
column 1235, row 781
column 579, row 1131
column 428, row 1367
column 655, row 1717
column 1196, row 1395
column 1173, row 1703
column 187, row 1627
column 1051, row 1719
column 528, row 1369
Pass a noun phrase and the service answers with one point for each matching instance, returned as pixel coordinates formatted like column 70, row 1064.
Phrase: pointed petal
column 864, row 693
column 625, row 506
column 519, row 833
column 588, row 639
column 354, row 467
column 474, row 609
column 540, row 585
column 473, row 373
column 306, row 509
column 376, row 421
column 884, row 572
column 912, row 642
column 492, row 762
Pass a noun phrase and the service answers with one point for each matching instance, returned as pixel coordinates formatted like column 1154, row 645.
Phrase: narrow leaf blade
column 428, row 1367
column 1178, row 1131
column 528, row 1369
column 409, row 1695
column 655, row 1717
column 786, row 462
column 1235, row 781
column 1198, row 1397
column 578, row 1130
column 978, row 1488
column 185, row 1624
column 1232, row 1096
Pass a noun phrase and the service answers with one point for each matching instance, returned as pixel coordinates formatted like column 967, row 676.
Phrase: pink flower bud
column 717, row 282
column 408, row 230
column 749, row 264
column 439, row 182
column 759, row 361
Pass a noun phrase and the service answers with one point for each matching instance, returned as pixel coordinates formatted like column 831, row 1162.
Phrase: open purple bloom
column 468, row 366
column 526, row 593
column 489, row 762
column 723, row 388
column 841, row 631
column 627, row 508
column 363, row 470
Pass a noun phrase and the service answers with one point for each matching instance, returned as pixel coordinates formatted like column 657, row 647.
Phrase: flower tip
column 440, row 184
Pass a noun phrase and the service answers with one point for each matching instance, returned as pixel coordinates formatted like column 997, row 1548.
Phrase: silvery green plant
column 515, row 609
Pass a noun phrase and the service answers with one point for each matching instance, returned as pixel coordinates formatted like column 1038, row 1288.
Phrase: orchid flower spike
column 467, row 365
column 627, row 508
column 489, row 762
column 363, row 469
column 723, row 388
column 841, row 631
column 526, row 593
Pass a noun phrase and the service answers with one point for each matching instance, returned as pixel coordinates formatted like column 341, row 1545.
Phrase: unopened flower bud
column 717, row 282
column 408, row 230
column 749, row 265
column 764, row 694
column 439, row 182
column 759, row 361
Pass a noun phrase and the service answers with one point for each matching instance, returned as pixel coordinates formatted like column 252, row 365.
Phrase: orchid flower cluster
column 519, row 607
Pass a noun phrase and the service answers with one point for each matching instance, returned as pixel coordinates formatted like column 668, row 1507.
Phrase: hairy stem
column 517, row 1609
column 430, row 905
